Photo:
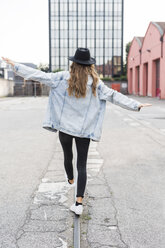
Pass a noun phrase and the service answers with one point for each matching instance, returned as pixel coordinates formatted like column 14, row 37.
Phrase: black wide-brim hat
column 82, row 56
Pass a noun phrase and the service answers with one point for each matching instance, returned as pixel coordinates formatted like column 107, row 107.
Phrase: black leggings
column 82, row 145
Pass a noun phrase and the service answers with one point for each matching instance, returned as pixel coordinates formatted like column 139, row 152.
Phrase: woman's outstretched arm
column 51, row 79
column 106, row 93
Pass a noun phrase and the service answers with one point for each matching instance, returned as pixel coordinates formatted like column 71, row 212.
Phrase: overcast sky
column 24, row 26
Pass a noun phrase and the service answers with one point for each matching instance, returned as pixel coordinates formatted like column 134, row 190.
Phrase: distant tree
column 43, row 67
column 128, row 45
column 58, row 70
column 125, row 69
column 126, row 57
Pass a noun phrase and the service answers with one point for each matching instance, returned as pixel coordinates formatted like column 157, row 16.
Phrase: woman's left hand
column 145, row 105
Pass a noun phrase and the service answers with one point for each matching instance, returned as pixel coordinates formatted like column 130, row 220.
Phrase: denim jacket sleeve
column 51, row 79
column 108, row 94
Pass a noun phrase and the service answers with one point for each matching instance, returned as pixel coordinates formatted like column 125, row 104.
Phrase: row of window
column 73, row 35
column 83, row 14
column 99, row 52
column 84, row 18
column 99, row 61
column 82, row 24
column 55, row 7
column 83, row 1
column 99, row 42
column 90, row 34
column 106, row 67
column 108, row 70
column 86, row 12
column 64, row 63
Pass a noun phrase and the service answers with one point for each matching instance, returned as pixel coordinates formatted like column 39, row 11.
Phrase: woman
column 76, row 107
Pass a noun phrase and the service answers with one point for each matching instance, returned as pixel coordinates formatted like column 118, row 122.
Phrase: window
column 111, row 40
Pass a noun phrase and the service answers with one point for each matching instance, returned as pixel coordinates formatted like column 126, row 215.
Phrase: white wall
column 6, row 87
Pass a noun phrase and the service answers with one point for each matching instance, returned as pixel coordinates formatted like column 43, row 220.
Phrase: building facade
column 146, row 63
column 95, row 24
column 13, row 85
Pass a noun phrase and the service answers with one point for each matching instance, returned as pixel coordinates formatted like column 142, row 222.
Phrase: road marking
column 64, row 244
column 45, row 180
column 93, row 153
column 93, row 144
column 51, row 190
column 94, row 161
column 94, row 166
column 112, row 227
column 95, row 170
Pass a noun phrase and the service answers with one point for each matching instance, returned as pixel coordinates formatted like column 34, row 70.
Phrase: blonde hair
column 79, row 78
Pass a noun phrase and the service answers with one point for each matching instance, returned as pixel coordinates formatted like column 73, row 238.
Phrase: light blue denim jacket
column 82, row 117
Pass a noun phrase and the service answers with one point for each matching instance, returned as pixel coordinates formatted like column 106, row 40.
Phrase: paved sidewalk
column 49, row 222
column 99, row 221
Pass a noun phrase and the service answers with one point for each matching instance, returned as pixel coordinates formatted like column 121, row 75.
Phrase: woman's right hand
column 8, row 61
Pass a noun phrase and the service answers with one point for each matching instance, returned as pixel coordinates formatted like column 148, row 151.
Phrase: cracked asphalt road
column 125, row 200
column 25, row 152
column 133, row 146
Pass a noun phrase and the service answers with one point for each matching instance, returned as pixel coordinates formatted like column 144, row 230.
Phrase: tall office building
column 95, row 24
